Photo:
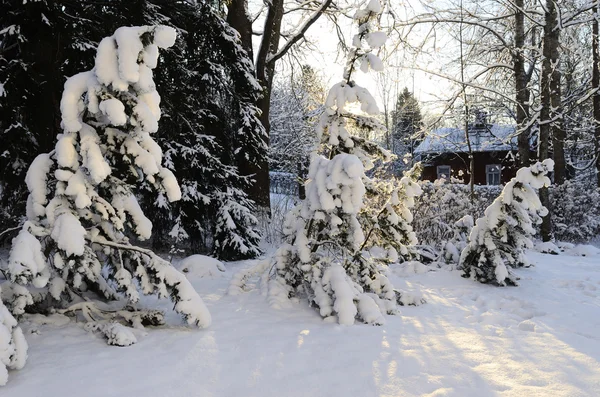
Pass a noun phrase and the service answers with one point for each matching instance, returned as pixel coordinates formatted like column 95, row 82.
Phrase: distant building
column 444, row 153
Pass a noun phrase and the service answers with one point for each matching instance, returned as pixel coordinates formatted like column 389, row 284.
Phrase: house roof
column 489, row 138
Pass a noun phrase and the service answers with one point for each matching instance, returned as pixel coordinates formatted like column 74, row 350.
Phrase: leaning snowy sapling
column 327, row 256
column 82, row 206
column 497, row 240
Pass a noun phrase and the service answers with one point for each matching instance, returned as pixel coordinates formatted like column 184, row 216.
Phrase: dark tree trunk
column 557, row 132
column 265, row 70
column 549, row 84
column 596, row 86
column 557, row 129
column 522, row 92
column 237, row 18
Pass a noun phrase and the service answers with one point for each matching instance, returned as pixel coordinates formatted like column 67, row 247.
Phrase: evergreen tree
column 328, row 256
column 210, row 122
column 497, row 240
column 208, row 92
column 407, row 122
column 81, row 206
column 36, row 40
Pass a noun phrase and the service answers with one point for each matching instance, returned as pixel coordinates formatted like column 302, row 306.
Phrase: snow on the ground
column 538, row 339
column 199, row 266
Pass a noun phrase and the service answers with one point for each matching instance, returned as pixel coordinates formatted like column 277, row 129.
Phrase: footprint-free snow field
column 539, row 339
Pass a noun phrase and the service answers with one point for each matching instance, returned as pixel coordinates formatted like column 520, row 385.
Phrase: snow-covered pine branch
column 497, row 240
column 13, row 346
column 82, row 205
column 327, row 255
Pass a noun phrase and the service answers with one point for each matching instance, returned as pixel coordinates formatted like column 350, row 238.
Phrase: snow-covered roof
column 491, row 138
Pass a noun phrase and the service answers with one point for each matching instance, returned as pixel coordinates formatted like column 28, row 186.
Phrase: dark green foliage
column 406, row 124
column 41, row 43
column 209, row 120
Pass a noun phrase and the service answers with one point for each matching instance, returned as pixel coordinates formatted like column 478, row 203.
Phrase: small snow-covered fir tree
column 497, row 240
column 81, row 204
column 327, row 256
column 13, row 346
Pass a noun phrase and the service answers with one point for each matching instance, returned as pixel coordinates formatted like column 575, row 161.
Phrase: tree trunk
column 557, row 132
column 522, row 92
column 265, row 70
column 557, row 127
column 464, row 92
column 548, row 94
column 596, row 86
column 471, row 156
column 237, row 17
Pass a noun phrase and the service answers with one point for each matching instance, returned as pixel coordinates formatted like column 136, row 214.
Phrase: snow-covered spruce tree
column 235, row 237
column 208, row 122
column 497, row 240
column 81, row 205
column 236, row 234
column 36, row 40
column 329, row 237
column 13, row 346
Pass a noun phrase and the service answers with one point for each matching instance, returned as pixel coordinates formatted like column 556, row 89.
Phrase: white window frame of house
column 491, row 170
column 441, row 170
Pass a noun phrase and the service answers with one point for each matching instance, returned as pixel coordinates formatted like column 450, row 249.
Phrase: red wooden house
column 444, row 153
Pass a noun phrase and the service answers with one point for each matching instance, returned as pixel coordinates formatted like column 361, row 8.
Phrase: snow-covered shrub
column 452, row 248
column 201, row 266
column 575, row 211
column 13, row 346
column 326, row 257
column 272, row 229
column 442, row 204
column 81, row 204
column 497, row 240
column 116, row 334
column 546, row 247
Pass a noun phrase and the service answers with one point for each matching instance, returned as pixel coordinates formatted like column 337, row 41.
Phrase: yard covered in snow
column 469, row 339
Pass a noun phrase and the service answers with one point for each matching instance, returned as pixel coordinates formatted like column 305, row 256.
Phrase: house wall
column 460, row 162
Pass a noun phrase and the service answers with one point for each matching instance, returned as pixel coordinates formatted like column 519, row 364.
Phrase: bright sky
column 399, row 72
